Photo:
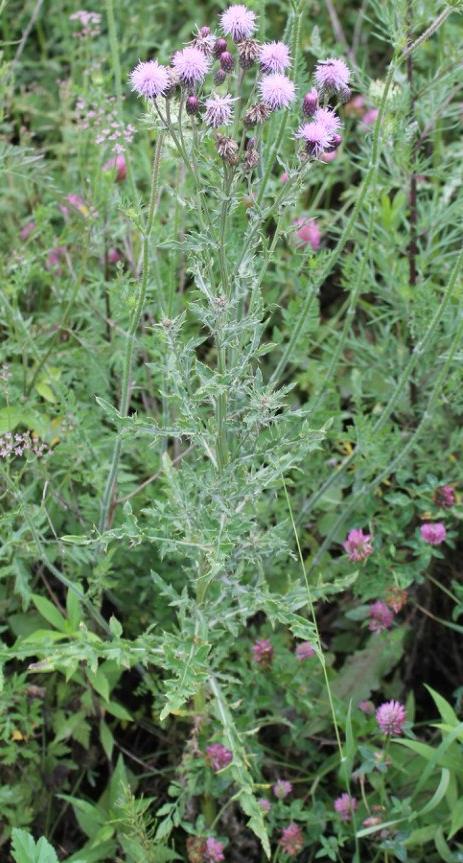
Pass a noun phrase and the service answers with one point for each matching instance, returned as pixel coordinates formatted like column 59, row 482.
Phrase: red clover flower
column 345, row 806
column 304, row 650
column 282, row 789
column 381, row 617
column 358, row 545
column 444, row 496
column 434, row 534
column 218, row 756
column 262, row 652
column 291, row 840
column 213, row 851
column 391, row 717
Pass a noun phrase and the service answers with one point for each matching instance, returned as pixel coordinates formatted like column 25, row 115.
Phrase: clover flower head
column 396, row 598
column 238, row 21
column 282, row 789
column 274, row 57
column 391, row 717
column 304, row 650
column 149, row 79
column 213, row 851
column 218, row 756
column 277, row 91
column 191, row 65
column 291, row 839
column 265, row 805
column 345, row 806
column 445, row 496
column 332, row 75
column 358, row 545
column 381, row 617
column 262, row 652
column 219, row 110
column 433, row 533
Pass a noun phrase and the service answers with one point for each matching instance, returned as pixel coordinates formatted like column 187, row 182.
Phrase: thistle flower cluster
column 12, row 445
column 220, row 55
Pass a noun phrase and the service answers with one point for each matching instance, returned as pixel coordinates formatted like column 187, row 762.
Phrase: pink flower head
column 310, row 103
column 358, row 545
column 332, row 75
column 366, row 707
column 277, row 91
column 282, row 788
column 262, row 652
column 27, row 230
column 444, row 495
column 150, row 79
column 284, row 177
column 219, row 110
column 304, row 650
column 308, row 233
column 315, row 136
column 113, row 256
column 329, row 119
column 218, row 756
column 391, row 717
column 265, row 805
column 117, row 164
column 329, row 156
column 291, row 840
column 213, row 851
column 191, row 65
column 369, row 117
column 55, row 257
column 238, row 22
column 274, row 57
column 381, row 617
column 78, row 203
column 345, row 806
column 434, row 534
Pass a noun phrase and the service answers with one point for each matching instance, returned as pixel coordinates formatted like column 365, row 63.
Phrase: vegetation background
column 198, row 401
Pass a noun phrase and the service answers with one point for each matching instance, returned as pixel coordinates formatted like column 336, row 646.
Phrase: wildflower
column 315, row 136
column 265, row 805
column 366, row 707
column 78, row 203
column 113, row 256
column 54, row 258
column 220, row 45
column 329, row 155
column 191, row 65
column 219, row 110
column 291, row 840
column 227, row 148
column 369, row 117
column 443, row 496
column 304, row 650
column 308, row 233
column 434, row 534
column 204, row 41
column 358, row 545
column 174, row 82
column 282, row 788
column 310, row 103
column 226, row 61
column 274, row 57
column 195, row 846
column 213, row 851
column 345, row 806
column 192, row 104
column 391, row 717
column 328, row 118
column 381, row 617
column 27, row 230
column 396, row 598
column 332, row 76
column 117, row 164
column 277, row 91
column 284, row 177
column 218, row 756
column 256, row 114
column 252, row 156
column 248, row 51
column 90, row 23
column 150, row 79
column 262, row 652
column 238, row 22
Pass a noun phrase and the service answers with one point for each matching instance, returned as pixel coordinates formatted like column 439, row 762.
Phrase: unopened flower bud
column 219, row 77
column 310, row 103
column 204, row 31
column 226, row 61
column 192, row 105
column 220, row 46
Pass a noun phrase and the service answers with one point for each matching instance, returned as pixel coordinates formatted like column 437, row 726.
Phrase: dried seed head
column 252, row 157
column 227, row 148
column 226, row 61
column 256, row 114
column 248, row 51
column 173, row 83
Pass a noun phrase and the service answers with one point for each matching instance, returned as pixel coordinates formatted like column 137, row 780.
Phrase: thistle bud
column 310, row 103
column 226, row 61
column 192, row 105
column 204, row 31
column 256, row 114
column 219, row 47
column 219, row 77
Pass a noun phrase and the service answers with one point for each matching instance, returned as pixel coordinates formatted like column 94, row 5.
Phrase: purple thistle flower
column 191, row 65
column 332, row 75
column 238, row 22
column 358, row 545
column 345, row 806
column 305, row 650
column 262, row 652
column 315, row 137
column 329, row 119
column 310, row 103
column 434, row 534
column 308, row 233
column 277, row 91
column 218, row 756
column 391, row 717
column 226, row 61
column 445, row 496
column 381, row 617
column 274, row 57
column 213, row 851
column 219, row 110
column 150, row 79
column 291, row 840
column 282, row 788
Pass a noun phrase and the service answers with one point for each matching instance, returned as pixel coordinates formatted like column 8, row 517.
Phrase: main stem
column 106, row 504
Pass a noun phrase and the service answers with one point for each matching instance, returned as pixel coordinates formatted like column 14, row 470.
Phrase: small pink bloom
column 369, row 117
column 219, row 110
column 391, row 717
column 366, row 707
column 345, row 806
column 291, row 840
column 277, row 91
column 27, row 230
column 265, row 805
column 274, row 57
column 78, row 203
column 150, row 79
column 117, row 164
column 191, row 65
column 262, row 652
column 315, row 136
column 282, row 788
column 358, row 545
column 433, row 533
column 238, row 22
column 213, row 851
column 304, row 650
column 372, row 821
column 444, row 496
column 284, row 177
column 308, row 233
column 55, row 257
column 113, row 256
column 218, row 756
column 332, row 75
column 381, row 617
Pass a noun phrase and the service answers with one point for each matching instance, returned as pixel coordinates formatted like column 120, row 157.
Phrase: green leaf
column 438, row 794
column 26, row 850
column 446, row 711
column 49, row 612
column 107, row 739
